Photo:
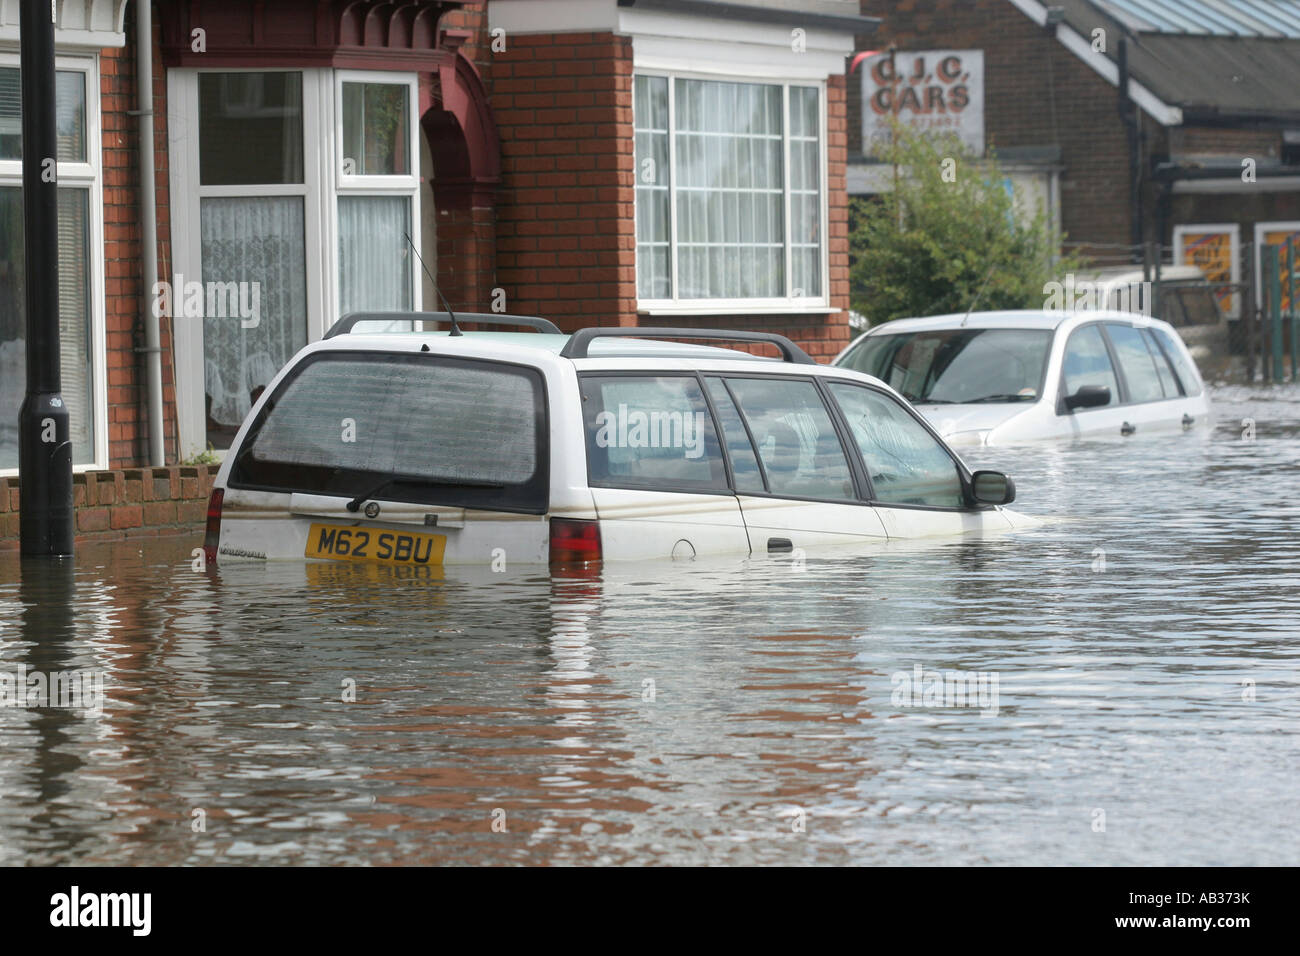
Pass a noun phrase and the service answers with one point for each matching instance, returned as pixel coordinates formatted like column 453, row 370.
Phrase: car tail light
column 212, row 533
column 574, row 540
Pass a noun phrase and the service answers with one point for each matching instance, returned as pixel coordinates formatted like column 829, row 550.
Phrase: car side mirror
column 992, row 488
column 1088, row 396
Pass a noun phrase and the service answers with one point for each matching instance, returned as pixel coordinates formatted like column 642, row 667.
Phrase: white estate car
column 430, row 448
column 997, row 377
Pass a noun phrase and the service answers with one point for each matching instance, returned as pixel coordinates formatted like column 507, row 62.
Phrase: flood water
column 1143, row 643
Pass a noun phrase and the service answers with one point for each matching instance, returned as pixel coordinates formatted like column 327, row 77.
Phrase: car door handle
column 1188, row 421
column 1127, row 429
column 779, row 544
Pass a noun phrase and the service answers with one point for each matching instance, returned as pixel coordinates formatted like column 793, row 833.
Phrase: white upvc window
column 81, row 260
column 376, row 137
column 304, row 183
column 730, row 193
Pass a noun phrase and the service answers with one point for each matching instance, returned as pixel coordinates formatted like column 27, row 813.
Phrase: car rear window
column 438, row 430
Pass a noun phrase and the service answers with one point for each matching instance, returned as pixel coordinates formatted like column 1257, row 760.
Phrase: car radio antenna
column 975, row 301
column 455, row 329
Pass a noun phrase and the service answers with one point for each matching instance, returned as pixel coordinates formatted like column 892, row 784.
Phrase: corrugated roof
column 1228, row 59
column 1240, row 18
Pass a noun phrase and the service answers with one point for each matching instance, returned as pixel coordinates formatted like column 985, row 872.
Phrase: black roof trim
column 739, row 11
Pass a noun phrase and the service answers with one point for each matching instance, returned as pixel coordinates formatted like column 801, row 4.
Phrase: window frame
column 323, row 184
column 407, row 186
column 88, row 176
column 788, row 304
column 1120, row 374
column 969, row 504
column 853, row 455
column 1121, row 385
column 729, row 488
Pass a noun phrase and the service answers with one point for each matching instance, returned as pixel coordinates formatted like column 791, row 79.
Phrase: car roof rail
column 581, row 340
column 346, row 324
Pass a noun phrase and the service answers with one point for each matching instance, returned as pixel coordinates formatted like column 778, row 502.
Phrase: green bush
column 948, row 234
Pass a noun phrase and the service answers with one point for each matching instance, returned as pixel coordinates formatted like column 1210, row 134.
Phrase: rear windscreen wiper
column 355, row 504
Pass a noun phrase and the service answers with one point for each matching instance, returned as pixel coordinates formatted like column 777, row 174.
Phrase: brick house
column 1210, row 86
column 598, row 162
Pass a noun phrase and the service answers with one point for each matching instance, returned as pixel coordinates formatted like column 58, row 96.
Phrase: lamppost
column 44, row 428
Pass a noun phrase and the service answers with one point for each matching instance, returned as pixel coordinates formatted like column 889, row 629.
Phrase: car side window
column 1187, row 376
column 1135, row 359
column 652, row 432
column 796, row 439
column 1087, row 362
column 1168, row 383
column 907, row 465
column 745, row 470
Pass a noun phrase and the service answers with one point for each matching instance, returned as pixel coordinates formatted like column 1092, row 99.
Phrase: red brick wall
column 124, row 504
column 566, row 241
column 566, row 244
column 124, row 295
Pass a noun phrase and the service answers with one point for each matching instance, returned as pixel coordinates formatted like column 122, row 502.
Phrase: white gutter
column 149, row 228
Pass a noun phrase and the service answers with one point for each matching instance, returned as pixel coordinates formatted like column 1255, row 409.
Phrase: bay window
column 81, row 328
column 730, row 193
column 302, row 184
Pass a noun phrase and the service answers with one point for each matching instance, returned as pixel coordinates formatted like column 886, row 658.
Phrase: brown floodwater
column 1135, row 657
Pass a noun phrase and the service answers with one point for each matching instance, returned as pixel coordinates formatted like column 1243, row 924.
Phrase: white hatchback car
column 431, row 448
column 998, row 377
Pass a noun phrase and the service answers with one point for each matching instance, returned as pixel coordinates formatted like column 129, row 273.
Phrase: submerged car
column 437, row 447
column 991, row 378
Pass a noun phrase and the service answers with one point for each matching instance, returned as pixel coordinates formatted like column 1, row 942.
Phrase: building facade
column 1133, row 121
column 597, row 162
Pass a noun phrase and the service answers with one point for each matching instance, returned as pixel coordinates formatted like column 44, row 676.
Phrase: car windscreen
column 947, row 366
column 412, row 427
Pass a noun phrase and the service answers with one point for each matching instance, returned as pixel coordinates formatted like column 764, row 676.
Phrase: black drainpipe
column 1128, row 115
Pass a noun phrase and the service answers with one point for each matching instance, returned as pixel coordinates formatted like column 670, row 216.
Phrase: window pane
column 805, row 192
column 418, row 417
column 650, row 117
column 1187, row 376
column 253, row 301
column 376, row 140
column 1168, row 384
column 1134, row 358
column 250, row 128
column 1088, row 363
column 744, row 463
column 653, row 432
column 374, row 259
column 800, row 450
column 69, row 114
column 74, row 321
column 906, row 464
column 728, row 149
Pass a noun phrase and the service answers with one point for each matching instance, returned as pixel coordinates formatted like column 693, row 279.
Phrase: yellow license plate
column 345, row 543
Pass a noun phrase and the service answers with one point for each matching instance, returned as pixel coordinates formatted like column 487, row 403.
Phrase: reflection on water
column 1143, row 643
